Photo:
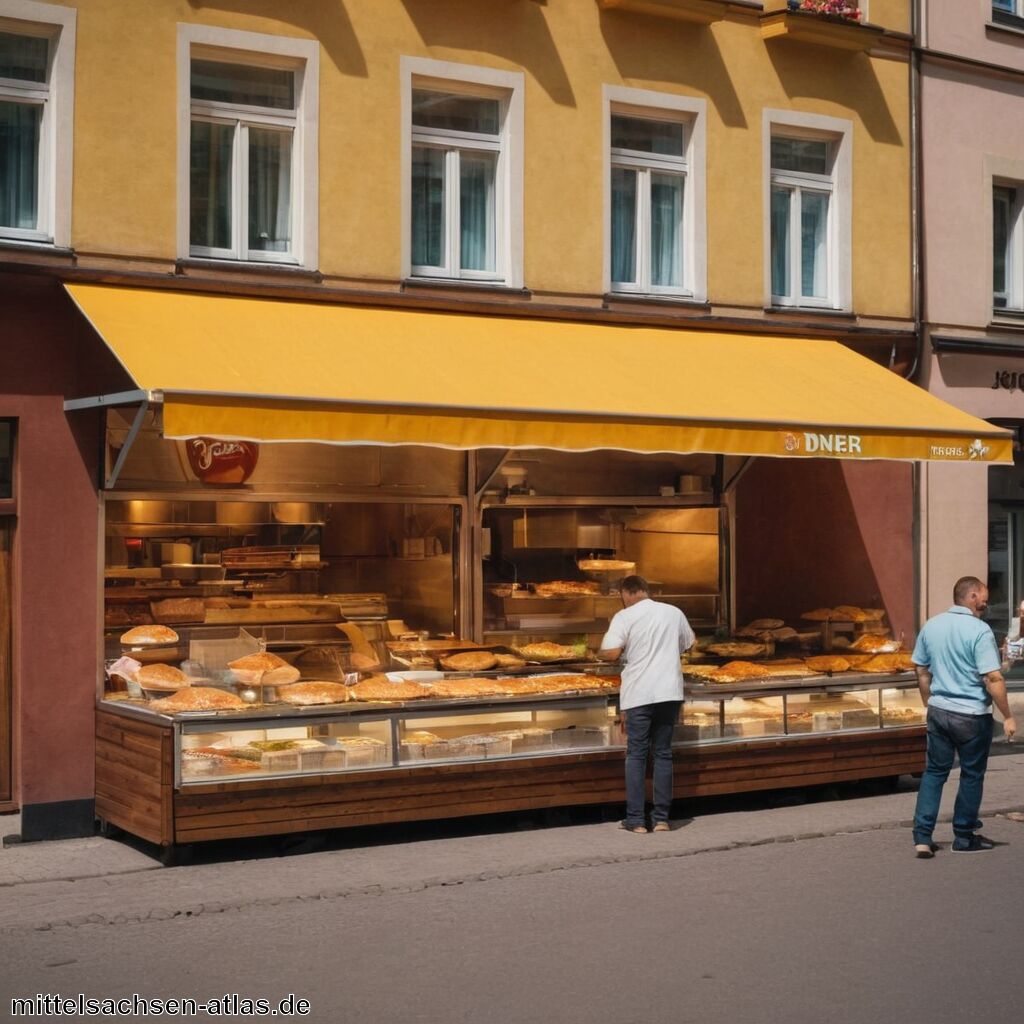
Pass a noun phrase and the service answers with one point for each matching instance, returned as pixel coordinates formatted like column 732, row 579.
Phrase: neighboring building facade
column 972, row 196
column 678, row 163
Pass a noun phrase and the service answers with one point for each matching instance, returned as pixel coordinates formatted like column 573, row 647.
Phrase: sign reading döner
column 222, row 462
column 822, row 444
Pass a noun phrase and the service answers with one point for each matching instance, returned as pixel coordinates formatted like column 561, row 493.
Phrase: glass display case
column 238, row 749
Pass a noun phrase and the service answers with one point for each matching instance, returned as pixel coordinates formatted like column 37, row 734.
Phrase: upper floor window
column 36, row 78
column 463, row 189
column 648, row 186
column 808, row 204
column 801, row 228
column 1007, row 248
column 656, row 228
column 456, row 203
column 1014, row 8
column 251, row 174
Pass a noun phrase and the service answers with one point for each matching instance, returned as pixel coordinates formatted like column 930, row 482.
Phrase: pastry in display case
column 903, row 707
column 507, row 733
column 198, row 698
column 753, row 716
column 817, row 712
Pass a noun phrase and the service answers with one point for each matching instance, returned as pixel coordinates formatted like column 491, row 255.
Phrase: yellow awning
column 267, row 370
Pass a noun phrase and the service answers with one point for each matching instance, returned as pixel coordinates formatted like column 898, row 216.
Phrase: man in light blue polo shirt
column 958, row 674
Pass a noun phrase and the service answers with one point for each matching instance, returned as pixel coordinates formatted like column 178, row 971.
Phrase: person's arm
column 614, row 641
column 924, row 682
column 610, row 653
column 996, row 686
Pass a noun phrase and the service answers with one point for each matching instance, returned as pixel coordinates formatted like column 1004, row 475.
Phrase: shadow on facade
column 326, row 20
column 656, row 49
column 515, row 32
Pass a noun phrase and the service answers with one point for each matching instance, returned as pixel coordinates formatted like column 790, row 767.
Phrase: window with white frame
column 648, row 189
column 802, row 221
column 1007, row 247
column 457, row 194
column 462, row 172
column 247, row 170
column 36, row 81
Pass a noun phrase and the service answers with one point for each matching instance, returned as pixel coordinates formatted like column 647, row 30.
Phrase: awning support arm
column 122, row 455
column 735, row 478
column 481, row 488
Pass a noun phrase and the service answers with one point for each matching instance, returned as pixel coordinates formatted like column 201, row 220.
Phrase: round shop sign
column 222, row 462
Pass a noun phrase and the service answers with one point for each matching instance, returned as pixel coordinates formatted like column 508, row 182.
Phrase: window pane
column 19, row 165
column 640, row 133
column 455, row 113
column 623, row 226
column 1004, row 5
column 782, row 198
column 23, row 57
column 666, row 230
column 476, row 210
column 239, row 83
column 270, row 190
column 1002, row 203
column 210, row 184
column 807, row 155
column 428, row 236
column 814, row 245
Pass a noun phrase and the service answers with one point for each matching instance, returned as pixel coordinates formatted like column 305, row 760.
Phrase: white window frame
column 484, row 83
column 56, row 97
column 838, row 132
column 1014, row 294
column 691, row 112
column 253, row 49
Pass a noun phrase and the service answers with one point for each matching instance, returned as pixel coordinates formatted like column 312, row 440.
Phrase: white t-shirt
column 652, row 636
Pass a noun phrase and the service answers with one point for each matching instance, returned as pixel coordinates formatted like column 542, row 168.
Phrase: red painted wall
column 47, row 352
column 812, row 533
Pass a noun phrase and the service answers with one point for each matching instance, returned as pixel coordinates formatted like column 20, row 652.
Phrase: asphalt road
column 848, row 928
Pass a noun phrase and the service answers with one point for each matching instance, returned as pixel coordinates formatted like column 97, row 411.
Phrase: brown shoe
column 662, row 826
column 639, row 830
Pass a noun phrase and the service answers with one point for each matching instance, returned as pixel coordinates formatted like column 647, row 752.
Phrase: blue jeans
column 949, row 733
column 649, row 726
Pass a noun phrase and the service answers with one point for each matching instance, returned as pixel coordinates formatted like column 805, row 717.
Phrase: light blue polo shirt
column 959, row 650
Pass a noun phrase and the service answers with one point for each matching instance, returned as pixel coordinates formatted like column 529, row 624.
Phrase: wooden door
column 6, row 659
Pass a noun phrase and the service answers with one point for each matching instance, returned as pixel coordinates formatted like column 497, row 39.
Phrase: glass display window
column 832, row 712
column 263, row 749
column 699, row 720
column 752, row 717
column 494, row 734
column 902, row 707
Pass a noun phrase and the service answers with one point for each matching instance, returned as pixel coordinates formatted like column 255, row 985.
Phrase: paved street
column 766, row 909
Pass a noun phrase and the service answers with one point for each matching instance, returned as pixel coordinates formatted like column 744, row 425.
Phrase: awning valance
column 270, row 370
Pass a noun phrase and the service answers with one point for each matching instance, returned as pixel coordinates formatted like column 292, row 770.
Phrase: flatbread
column 566, row 588
column 733, row 649
column 509, row 661
column 472, row 687
column 733, row 671
column 161, row 677
column 548, row 651
column 818, row 615
column 142, row 636
column 763, row 624
column 849, row 613
column 380, row 688
column 198, row 698
column 829, row 663
column 314, row 692
column 898, row 661
column 875, row 643
column 469, row 661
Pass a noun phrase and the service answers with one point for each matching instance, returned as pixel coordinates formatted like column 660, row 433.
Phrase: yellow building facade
column 733, row 66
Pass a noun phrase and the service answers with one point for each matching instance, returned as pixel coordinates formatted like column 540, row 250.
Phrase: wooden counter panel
column 134, row 776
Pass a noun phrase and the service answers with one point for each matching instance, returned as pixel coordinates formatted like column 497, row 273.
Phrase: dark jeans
column 968, row 736
column 649, row 726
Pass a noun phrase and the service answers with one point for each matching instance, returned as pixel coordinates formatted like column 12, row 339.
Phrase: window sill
column 1012, row 319
column 1003, row 21
column 183, row 266
column 27, row 245
column 476, row 287
column 654, row 299
column 822, row 311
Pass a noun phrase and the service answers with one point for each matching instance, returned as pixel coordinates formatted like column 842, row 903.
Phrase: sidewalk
column 96, row 880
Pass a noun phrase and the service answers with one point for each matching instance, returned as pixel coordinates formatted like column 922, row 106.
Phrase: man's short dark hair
column 634, row 585
column 964, row 586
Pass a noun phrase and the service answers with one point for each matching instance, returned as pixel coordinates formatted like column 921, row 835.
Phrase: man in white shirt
column 651, row 637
